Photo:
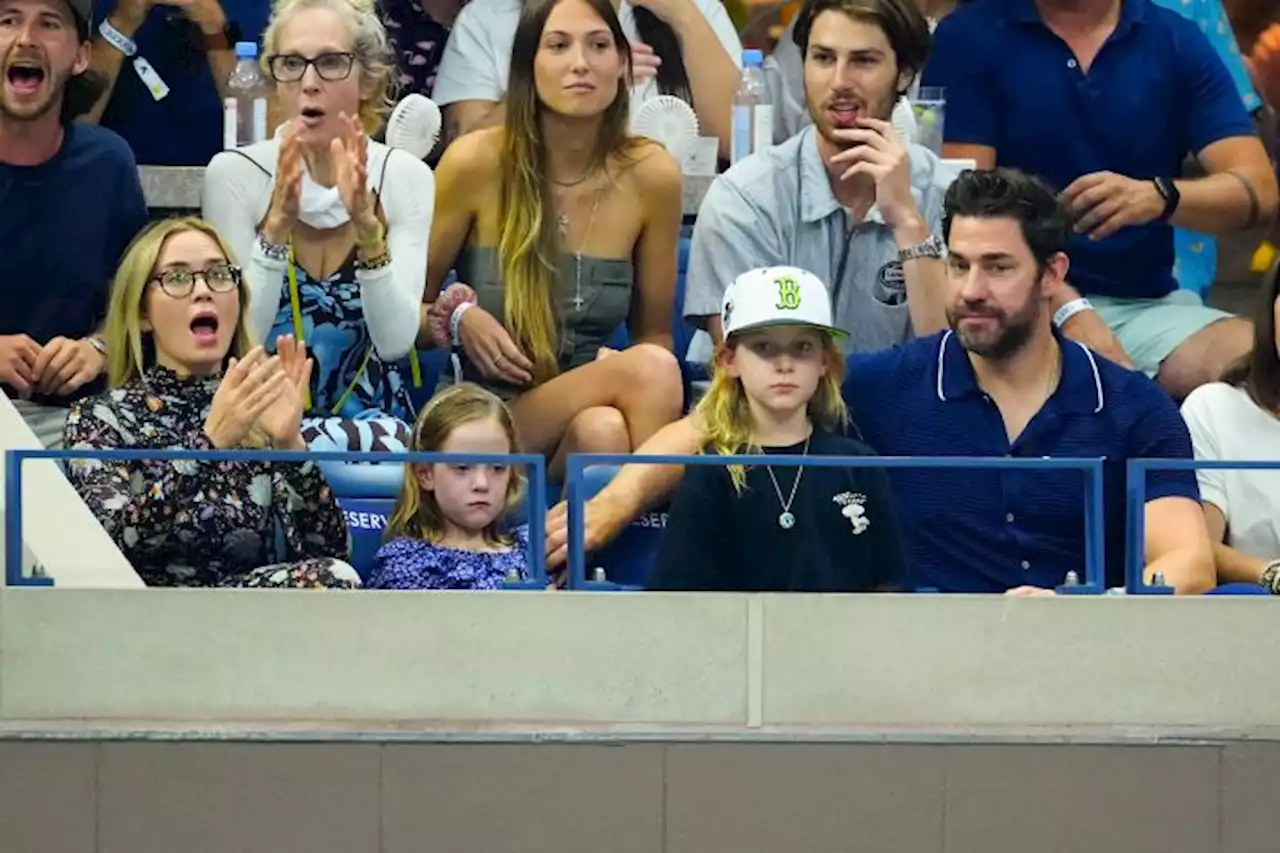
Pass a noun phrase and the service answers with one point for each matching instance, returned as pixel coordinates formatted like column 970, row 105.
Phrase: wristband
column 455, row 322
column 440, row 314
column 1071, row 309
column 98, row 343
column 117, row 39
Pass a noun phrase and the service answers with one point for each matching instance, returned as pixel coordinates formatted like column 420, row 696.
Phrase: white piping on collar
column 1097, row 378
column 942, row 349
column 1093, row 365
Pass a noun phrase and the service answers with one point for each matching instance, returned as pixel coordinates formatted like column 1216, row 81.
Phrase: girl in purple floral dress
column 446, row 530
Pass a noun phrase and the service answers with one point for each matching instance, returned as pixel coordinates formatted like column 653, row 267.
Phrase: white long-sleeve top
column 235, row 198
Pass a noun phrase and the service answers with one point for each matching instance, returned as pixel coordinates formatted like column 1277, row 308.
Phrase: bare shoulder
column 653, row 169
column 473, row 156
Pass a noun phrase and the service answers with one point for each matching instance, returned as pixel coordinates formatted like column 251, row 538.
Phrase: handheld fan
column 414, row 125
column 904, row 121
column 667, row 120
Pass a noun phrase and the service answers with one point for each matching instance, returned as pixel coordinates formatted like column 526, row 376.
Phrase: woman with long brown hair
column 563, row 226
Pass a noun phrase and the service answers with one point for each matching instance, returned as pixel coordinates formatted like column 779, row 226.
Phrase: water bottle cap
column 753, row 57
column 246, row 50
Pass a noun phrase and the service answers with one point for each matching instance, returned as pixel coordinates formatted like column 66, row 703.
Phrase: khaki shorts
column 1151, row 329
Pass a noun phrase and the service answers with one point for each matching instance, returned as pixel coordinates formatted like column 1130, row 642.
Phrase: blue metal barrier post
column 1135, row 546
column 1093, row 583
column 533, row 463
column 1135, row 527
column 13, row 574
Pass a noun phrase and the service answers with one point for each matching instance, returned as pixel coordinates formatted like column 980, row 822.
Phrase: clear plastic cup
column 930, row 107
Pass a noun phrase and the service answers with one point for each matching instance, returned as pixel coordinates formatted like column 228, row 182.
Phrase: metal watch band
column 931, row 248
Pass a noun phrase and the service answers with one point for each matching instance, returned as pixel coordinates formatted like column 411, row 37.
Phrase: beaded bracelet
column 377, row 262
column 273, row 251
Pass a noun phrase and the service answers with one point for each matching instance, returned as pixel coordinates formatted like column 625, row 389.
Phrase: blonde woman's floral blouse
column 195, row 523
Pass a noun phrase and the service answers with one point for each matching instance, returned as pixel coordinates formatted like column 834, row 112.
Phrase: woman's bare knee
column 600, row 429
column 655, row 373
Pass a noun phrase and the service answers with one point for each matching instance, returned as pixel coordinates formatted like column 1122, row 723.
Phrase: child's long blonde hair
column 417, row 515
column 725, row 411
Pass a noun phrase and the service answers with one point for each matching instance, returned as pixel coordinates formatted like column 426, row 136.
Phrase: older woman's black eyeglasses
column 289, row 67
column 180, row 281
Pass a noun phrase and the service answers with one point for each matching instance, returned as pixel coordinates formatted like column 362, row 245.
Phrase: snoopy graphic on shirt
column 853, row 507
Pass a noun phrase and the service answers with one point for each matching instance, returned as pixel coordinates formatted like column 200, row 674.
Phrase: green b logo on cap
column 788, row 293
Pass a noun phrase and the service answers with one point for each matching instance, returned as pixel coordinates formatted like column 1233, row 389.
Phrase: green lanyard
column 295, row 304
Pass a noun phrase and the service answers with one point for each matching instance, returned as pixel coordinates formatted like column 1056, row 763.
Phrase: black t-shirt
column 844, row 539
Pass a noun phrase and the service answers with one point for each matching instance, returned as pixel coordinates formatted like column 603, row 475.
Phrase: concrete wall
column 637, row 661
column 235, row 721
column 58, row 531
column 353, row 797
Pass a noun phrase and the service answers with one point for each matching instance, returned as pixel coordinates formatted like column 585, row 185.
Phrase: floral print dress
column 414, row 564
column 194, row 523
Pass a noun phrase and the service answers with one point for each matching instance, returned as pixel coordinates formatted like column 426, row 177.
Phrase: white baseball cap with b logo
column 777, row 296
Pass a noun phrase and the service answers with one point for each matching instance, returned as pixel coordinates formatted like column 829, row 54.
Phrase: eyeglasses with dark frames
column 180, row 281
column 289, row 67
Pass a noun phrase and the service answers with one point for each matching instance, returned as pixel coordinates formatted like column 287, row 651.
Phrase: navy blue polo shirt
column 185, row 127
column 1156, row 91
column 989, row 530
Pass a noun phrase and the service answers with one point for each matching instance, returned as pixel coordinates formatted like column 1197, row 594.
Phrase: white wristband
column 1071, row 309
column 455, row 322
column 117, row 39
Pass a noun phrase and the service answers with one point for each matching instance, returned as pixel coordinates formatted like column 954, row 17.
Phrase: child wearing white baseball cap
column 776, row 390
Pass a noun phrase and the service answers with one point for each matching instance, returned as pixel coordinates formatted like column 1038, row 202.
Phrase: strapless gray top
column 583, row 327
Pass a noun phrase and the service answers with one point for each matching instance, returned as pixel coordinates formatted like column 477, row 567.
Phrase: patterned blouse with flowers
column 193, row 523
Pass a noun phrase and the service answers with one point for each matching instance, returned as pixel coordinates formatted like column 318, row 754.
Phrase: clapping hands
column 262, row 392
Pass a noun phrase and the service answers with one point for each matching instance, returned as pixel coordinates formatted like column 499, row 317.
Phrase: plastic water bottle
column 752, row 109
column 244, row 110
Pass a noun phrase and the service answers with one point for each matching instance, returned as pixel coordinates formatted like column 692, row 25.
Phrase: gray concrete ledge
column 426, row 732
column 631, row 666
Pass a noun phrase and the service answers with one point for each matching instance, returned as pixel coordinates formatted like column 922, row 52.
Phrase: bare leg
column 601, row 429
column 642, row 383
column 1205, row 355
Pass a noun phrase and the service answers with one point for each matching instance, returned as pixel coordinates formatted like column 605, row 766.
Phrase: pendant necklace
column 787, row 520
column 562, row 222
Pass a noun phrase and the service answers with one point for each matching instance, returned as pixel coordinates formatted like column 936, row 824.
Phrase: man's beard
column 53, row 86
column 1009, row 335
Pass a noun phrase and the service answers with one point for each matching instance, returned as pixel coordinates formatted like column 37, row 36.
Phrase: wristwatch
column 225, row 39
column 931, row 248
column 1172, row 197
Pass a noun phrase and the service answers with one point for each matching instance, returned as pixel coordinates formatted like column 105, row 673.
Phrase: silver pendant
column 786, row 521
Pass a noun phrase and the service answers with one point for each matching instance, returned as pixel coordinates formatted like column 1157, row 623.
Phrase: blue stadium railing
column 1093, row 582
column 535, row 465
column 1136, row 498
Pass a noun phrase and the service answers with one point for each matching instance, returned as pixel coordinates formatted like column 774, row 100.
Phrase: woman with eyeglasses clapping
column 182, row 375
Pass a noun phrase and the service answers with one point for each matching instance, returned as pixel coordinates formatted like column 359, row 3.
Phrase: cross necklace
column 562, row 223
